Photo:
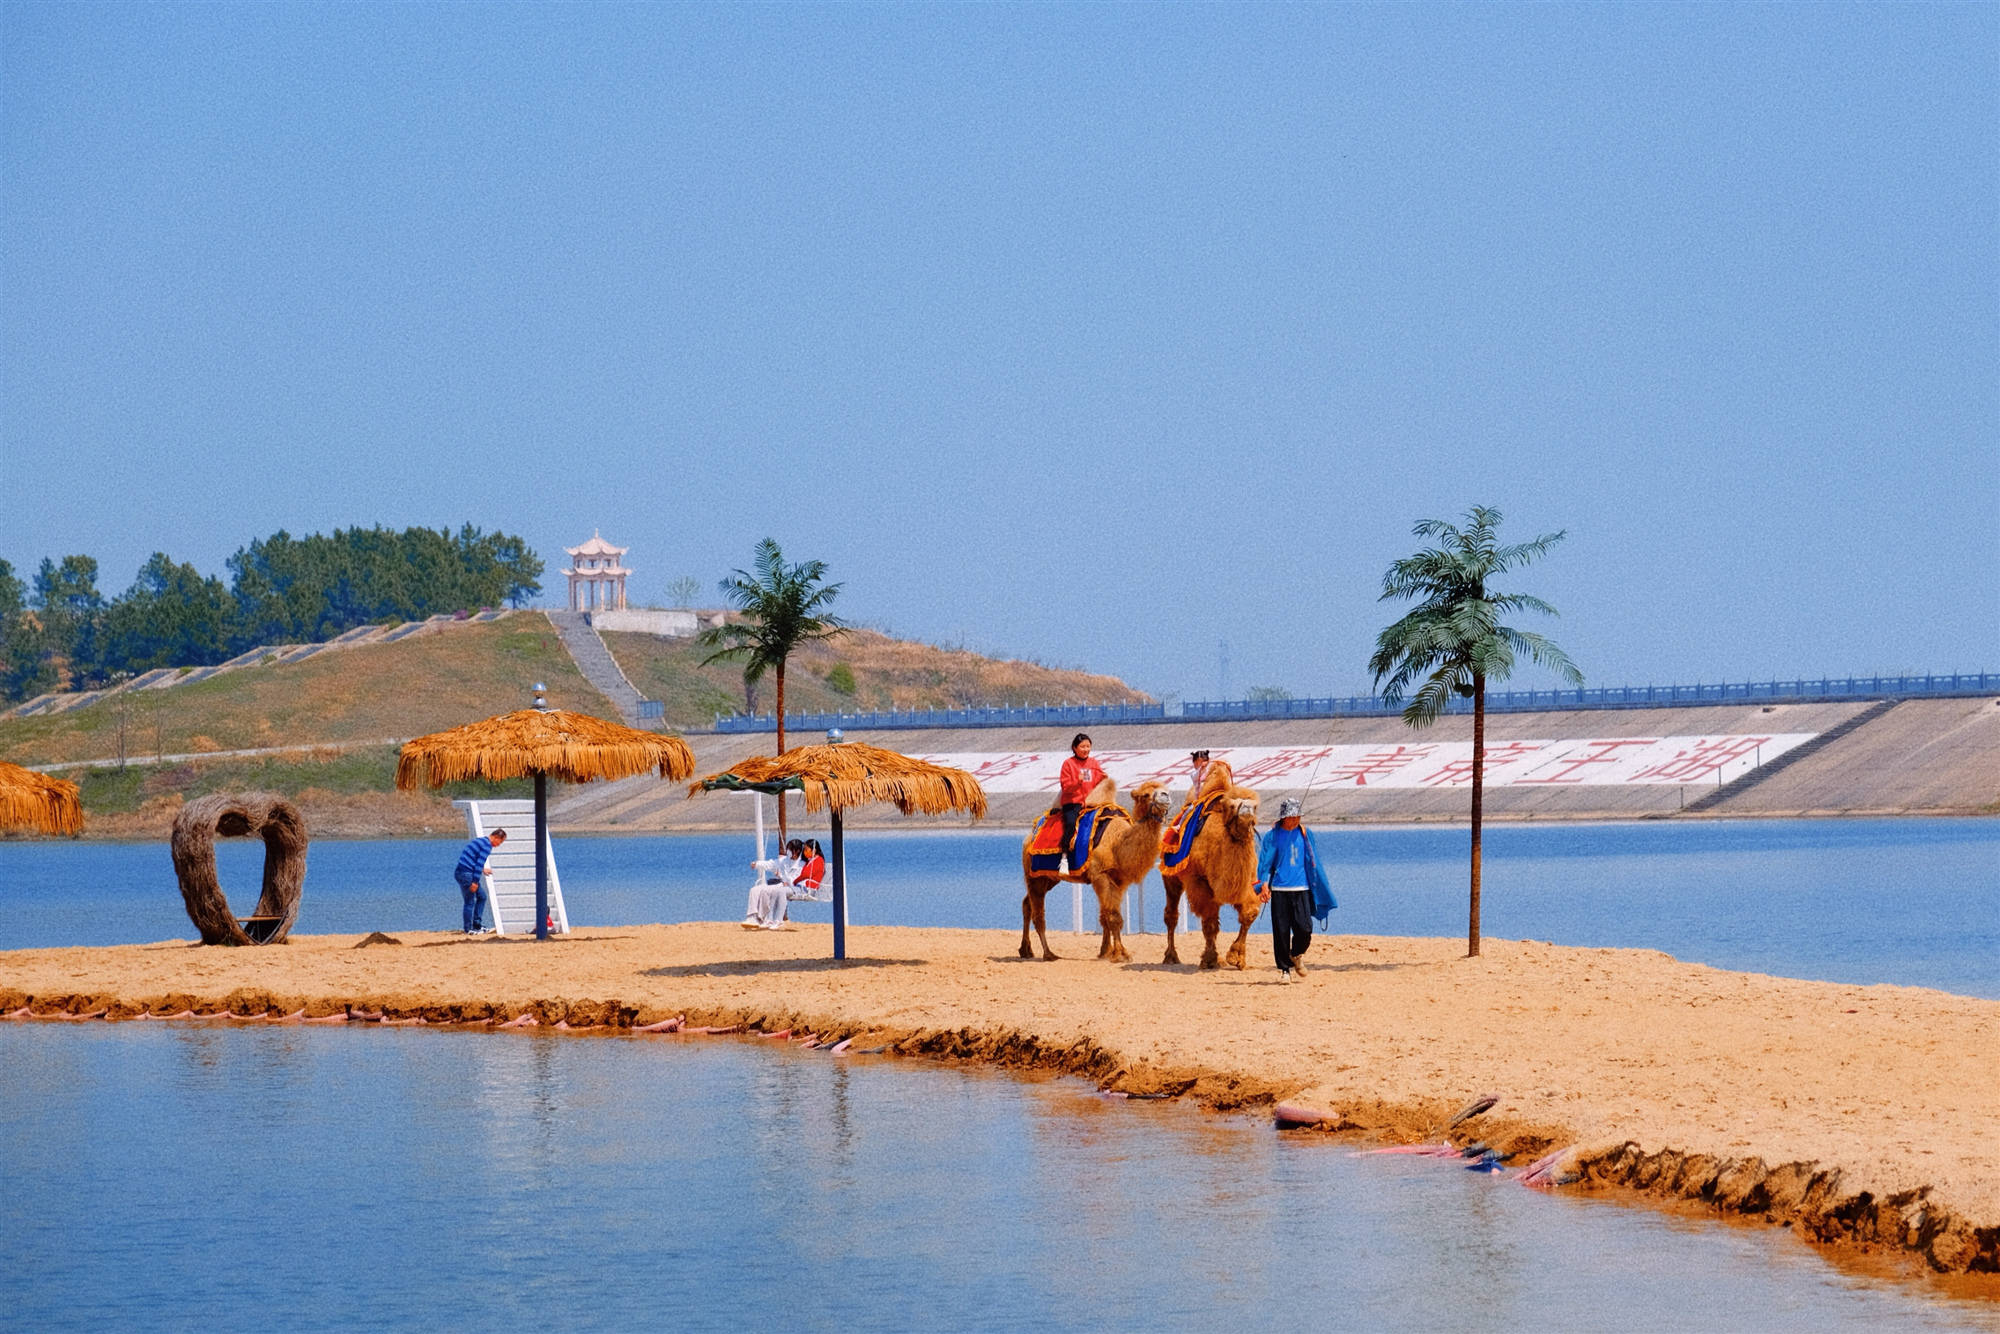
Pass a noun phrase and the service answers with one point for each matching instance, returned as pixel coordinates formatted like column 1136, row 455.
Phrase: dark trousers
column 474, row 892
column 1291, row 924
column 1072, row 809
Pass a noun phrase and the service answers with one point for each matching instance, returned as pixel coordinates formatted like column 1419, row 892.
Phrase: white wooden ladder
column 510, row 870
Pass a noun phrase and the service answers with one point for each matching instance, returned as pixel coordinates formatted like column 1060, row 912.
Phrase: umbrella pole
column 839, row 889
column 541, row 856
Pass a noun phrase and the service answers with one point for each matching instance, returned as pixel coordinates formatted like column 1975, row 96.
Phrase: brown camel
column 1120, row 860
column 1220, row 871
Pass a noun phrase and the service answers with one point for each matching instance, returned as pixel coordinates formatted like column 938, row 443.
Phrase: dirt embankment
column 327, row 815
column 1854, row 1114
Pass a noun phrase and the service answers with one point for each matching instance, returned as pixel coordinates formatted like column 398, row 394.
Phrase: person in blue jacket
column 1291, row 877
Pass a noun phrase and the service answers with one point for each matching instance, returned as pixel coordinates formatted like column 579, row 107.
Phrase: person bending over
column 471, row 877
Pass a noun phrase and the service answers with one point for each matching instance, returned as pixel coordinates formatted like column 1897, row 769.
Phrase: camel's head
column 1151, row 801
column 1241, row 811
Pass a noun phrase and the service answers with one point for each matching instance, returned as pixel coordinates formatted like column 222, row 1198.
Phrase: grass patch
column 375, row 692
column 369, row 769
column 863, row 669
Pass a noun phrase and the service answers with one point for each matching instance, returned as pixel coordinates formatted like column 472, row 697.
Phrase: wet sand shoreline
column 1854, row 1114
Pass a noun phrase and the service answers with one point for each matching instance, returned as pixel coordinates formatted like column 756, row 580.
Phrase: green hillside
column 329, row 723
column 860, row 670
column 376, row 692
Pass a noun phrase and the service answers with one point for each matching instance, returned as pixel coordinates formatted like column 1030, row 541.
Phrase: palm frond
column 1453, row 636
column 1544, row 653
column 1431, row 699
column 1521, row 602
column 1523, row 553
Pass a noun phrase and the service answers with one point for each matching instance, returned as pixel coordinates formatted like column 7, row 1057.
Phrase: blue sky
column 1101, row 334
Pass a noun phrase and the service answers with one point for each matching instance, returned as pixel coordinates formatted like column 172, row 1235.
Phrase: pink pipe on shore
column 672, row 1025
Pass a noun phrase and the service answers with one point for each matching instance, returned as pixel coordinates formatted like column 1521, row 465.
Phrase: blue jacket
column 1322, row 892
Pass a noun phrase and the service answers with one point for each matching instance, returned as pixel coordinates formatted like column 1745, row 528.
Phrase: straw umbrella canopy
column 843, row 774
column 540, row 743
column 30, row 800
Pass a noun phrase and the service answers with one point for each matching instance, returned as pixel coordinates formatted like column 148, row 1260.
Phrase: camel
column 1220, row 870
column 1120, row 860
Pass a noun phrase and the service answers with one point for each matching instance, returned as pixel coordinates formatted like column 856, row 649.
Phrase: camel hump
column 1106, row 791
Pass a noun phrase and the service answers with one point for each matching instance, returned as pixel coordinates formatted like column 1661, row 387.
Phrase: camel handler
column 1079, row 775
column 1291, row 878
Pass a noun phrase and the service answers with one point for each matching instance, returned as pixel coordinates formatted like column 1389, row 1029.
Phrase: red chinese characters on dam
column 1704, row 760
column 1378, row 764
column 1573, row 764
column 1499, row 755
column 1568, row 762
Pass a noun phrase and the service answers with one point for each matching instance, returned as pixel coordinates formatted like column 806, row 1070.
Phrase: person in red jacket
column 1079, row 775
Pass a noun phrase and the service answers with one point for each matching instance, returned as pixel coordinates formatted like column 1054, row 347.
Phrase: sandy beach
column 1856, row 1114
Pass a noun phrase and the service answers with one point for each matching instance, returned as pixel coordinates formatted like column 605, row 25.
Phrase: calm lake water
column 1906, row 901
column 194, row 1177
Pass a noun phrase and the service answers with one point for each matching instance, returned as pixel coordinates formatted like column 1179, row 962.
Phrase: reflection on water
column 1907, row 901
column 178, row 1177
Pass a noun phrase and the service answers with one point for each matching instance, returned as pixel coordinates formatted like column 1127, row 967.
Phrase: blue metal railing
column 1826, row 689
column 1057, row 715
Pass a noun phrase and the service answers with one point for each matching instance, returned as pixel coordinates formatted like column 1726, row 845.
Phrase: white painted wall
column 674, row 623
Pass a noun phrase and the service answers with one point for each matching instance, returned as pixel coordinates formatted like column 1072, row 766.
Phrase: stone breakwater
column 1853, row 1115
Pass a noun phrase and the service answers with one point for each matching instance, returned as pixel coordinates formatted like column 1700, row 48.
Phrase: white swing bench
column 793, row 894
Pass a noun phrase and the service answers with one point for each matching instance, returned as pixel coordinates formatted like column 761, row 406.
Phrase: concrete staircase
column 596, row 663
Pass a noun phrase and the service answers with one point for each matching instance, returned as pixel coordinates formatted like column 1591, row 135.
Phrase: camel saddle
column 1177, row 839
column 1045, row 845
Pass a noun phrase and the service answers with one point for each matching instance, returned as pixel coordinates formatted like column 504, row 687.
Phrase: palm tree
column 783, row 607
column 1453, row 638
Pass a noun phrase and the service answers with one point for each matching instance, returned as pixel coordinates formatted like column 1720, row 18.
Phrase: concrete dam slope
column 1932, row 756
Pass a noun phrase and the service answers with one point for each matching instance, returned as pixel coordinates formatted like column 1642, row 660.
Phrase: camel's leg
column 1111, row 919
column 1172, row 915
column 1203, row 907
column 1027, row 921
column 1041, row 898
column 1245, row 915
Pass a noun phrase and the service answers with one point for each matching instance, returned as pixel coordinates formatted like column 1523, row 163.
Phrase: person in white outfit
column 777, row 876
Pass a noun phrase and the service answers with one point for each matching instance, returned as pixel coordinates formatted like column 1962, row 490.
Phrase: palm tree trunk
column 1478, row 801
column 781, row 749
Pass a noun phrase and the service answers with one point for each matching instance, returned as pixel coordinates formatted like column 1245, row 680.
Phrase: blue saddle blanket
column 1091, row 822
column 1177, row 840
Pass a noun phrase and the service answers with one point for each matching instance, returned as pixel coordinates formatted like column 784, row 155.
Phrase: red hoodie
column 1078, row 778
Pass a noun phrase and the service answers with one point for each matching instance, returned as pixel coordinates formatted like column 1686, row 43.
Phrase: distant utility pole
column 1222, row 670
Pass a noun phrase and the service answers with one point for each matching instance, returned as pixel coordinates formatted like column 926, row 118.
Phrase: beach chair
column 510, row 871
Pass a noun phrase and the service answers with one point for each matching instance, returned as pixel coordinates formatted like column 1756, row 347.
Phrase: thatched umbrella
column 542, row 742
column 841, row 774
column 30, row 800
